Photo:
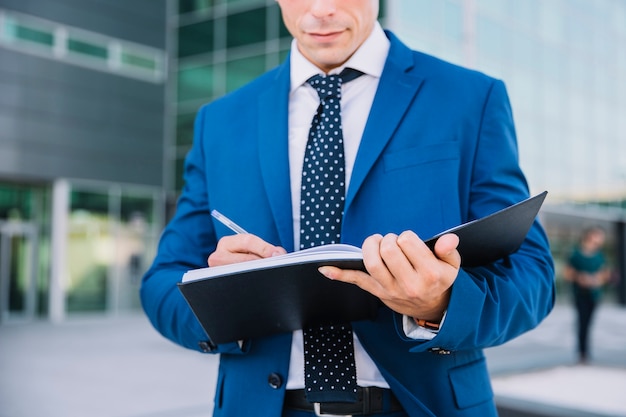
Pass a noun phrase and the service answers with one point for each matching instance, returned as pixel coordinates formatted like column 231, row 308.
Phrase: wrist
column 436, row 313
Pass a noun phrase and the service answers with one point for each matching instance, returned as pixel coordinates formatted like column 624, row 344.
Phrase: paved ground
column 538, row 371
column 113, row 367
column 120, row 367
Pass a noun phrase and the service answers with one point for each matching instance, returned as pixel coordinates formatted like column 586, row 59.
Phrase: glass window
column 136, row 209
column 523, row 51
column 16, row 202
column 551, row 63
column 492, row 7
column 553, row 101
column 195, row 83
column 604, row 119
column 24, row 249
column 195, row 39
column 87, row 48
column 90, row 251
column 246, row 28
column 525, row 12
column 617, row 18
column 578, row 113
column 184, row 129
column 577, row 30
column 283, row 54
column 245, row 2
column 82, row 47
column 274, row 15
column 282, row 30
column 580, row 73
column 241, row 71
column 112, row 235
column 28, row 33
column 180, row 169
column 489, row 38
column 382, row 9
column 551, row 22
column 187, row 6
column 424, row 14
column 453, row 18
column 137, row 60
column 135, row 243
column 275, row 58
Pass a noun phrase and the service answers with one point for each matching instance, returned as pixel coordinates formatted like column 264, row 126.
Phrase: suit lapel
column 274, row 152
column 397, row 89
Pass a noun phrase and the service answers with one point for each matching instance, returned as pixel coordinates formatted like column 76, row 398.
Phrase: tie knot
column 330, row 85
column 326, row 86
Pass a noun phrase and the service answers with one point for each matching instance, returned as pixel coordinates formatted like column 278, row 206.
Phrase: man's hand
column 405, row 274
column 242, row 247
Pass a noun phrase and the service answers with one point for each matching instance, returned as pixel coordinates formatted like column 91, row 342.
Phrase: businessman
column 355, row 138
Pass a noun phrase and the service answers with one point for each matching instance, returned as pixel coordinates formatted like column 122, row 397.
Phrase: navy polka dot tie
column 329, row 369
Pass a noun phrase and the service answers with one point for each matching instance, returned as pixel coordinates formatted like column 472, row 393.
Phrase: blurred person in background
column 587, row 272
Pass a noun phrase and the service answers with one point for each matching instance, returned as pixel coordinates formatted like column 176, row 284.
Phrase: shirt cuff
column 413, row 331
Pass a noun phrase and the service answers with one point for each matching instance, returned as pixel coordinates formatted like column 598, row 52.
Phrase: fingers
column 242, row 247
column 445, row 249
column 372, row 261
column 373, row 249
column 404, row 273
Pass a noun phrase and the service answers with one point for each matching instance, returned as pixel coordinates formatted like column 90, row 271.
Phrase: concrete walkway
column 120, row 367
column 101, row 367
column 538, row 372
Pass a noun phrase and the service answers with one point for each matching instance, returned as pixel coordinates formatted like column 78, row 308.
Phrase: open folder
column 286, row 293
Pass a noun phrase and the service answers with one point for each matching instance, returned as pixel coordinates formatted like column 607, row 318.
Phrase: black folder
column 287, row 293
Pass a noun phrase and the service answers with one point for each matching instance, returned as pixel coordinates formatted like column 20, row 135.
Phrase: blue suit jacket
column 439, row 149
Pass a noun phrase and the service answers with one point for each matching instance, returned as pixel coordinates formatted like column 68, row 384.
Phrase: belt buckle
column 318, row 412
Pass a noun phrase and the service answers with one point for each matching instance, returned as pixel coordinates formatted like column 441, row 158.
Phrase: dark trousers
column 586, row 302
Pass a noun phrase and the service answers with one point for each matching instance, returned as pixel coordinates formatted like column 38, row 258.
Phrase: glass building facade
column 81, row 154
column 565, row 68
column 219, row 46
column 98, row 104
column 563, row 62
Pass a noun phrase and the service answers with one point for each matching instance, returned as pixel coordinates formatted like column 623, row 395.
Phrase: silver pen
column 228, row 222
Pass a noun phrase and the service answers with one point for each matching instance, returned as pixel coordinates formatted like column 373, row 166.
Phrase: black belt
column 371, row 400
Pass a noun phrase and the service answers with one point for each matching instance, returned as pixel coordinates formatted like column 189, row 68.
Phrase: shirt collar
column 369, row 58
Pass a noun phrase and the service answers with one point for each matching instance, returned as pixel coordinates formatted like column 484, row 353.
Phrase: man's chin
column 328, row 57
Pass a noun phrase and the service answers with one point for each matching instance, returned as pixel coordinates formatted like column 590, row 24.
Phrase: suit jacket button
column 207, row 346
column 275, row 380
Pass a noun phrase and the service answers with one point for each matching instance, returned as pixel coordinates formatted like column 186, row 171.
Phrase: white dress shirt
column 356, row 102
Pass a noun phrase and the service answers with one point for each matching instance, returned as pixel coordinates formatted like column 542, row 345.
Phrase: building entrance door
column 18, row 267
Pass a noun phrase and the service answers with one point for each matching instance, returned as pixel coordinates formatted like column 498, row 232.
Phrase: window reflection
column 187, row 6
column 184, row 129
column 195, row 83
column 195, row 39
column 24, row 242
column 90, row 251
column 241, row 71
column 255, row 27
column 111, row 238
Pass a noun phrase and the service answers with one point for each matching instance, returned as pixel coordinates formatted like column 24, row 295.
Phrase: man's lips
column 325, row 36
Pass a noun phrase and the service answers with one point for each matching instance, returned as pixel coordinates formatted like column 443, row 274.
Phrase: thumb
column 445, row 250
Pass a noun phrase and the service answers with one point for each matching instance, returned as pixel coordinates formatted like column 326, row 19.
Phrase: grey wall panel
column 98, row 102
column 60, row 120
column 141, row 21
